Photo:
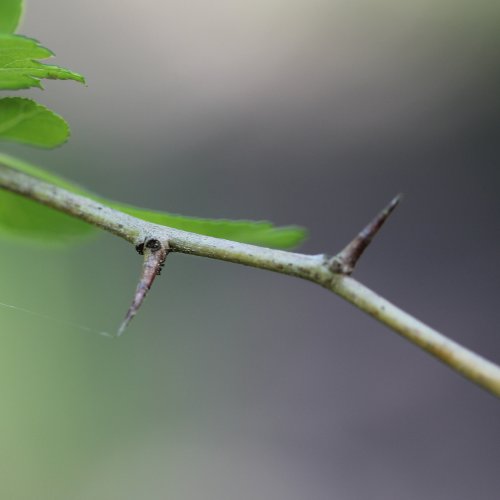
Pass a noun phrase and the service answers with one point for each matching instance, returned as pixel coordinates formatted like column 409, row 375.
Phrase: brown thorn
column 154, row 257
column 345, row 261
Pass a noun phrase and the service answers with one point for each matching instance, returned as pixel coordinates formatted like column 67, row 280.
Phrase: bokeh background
column 235, row 383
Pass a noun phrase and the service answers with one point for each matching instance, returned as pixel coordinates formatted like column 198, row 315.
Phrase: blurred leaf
column 262, row 233
column 24, row 120
column 22, row 217
column 10, row 15
column 20, row 70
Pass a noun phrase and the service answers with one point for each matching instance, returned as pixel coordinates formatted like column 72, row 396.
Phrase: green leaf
column 19, row 68
column 255, row 232
column 26, row 121
column 27, row 219
column 10, row 15
column 22, row 217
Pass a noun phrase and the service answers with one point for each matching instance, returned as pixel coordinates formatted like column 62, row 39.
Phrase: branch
column 329, row 272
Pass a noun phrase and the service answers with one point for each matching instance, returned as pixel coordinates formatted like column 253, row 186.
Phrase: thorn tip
column 346, row 260
column 155, row 254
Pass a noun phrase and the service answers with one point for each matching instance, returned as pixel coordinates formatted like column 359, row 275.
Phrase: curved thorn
column 154, row 257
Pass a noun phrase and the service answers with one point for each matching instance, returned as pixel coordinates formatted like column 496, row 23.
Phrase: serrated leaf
column 10, row 15
column 262, row 233
column 24, row 120
column 19, row 68
column 22, row 217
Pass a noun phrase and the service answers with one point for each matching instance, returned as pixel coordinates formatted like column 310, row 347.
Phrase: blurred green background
column 234, row 383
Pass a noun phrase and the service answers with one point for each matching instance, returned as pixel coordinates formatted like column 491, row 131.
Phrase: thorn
column 346, row 260
column 154, row 257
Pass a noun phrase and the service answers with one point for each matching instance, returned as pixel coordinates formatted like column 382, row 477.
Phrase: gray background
column 234, row 383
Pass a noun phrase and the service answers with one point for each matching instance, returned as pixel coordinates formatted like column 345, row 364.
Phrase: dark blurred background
column 234, row 383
